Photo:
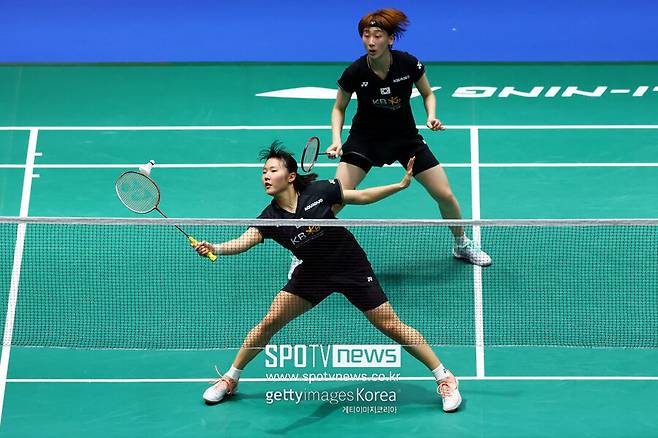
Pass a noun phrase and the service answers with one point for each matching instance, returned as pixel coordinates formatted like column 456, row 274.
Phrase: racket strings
column 137, row 192
column 310, row 154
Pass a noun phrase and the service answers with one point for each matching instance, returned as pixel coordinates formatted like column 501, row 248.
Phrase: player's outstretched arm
column 249, row 239
column 374, row 194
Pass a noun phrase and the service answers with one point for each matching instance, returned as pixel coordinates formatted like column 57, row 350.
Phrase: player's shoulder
column 268, row 213
column 358, row 66
column 406, row 58
column 325, row 190
column 353, row 74
column 321, row 186
column 322, row 183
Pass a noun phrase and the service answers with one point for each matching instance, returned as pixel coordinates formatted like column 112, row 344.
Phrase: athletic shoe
column 449, row 391
column 220, row 388
column 471, row 252
column 293, row 264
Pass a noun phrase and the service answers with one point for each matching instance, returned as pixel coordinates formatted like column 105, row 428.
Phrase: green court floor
column 516, row 157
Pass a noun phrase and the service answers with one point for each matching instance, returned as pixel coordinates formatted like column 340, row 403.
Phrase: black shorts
column 360, row 287
column 366, row 153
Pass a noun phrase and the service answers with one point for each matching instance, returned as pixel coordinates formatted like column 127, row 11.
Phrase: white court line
column 16, row 270
column 568, row 164
column 259, row 165
column 172, row 128
column 299, row 127
column 477, row 270
column 405, row 379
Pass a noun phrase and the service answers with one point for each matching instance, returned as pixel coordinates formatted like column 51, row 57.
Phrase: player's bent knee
column 271, row 323
column 445, row 197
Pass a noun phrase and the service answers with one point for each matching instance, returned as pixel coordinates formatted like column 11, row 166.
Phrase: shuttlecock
column 146, row 168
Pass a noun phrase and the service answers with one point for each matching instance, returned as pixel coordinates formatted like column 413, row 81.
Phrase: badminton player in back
column 383, row 129
column 332, row 261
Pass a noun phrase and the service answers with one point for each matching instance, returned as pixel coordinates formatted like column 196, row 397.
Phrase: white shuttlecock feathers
column 146, row 168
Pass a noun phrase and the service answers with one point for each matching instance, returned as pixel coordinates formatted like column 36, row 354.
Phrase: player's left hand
column 407, row 177
column 435, row 125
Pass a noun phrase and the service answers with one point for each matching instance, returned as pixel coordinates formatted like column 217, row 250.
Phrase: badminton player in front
column 332, row 261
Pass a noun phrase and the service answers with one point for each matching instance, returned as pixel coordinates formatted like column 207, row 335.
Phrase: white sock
column 440, row 372
column 461, row 240
column 233, row 373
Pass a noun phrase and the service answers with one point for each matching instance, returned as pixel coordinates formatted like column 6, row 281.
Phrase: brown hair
column 393, row 21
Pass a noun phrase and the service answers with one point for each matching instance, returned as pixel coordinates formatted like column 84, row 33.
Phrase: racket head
column 310, row 154
column 137, row 192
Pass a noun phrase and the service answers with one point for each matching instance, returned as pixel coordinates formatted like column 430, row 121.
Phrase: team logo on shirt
column 364, row 84
column 312, row 229
column 309, row 232
column 391, row 103
column 303, row 237
column 419, row 65
column 385, row 90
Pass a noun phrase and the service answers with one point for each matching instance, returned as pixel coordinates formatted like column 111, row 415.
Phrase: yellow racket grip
column 211, row 255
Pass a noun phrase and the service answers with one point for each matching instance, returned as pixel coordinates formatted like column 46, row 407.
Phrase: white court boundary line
column 299, row 127
column 16, row 270
column 259, row 165
column 313, row 127
column 477, row 270
column 331, row 379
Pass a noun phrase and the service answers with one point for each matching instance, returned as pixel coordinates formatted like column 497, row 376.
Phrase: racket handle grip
column 211, row 255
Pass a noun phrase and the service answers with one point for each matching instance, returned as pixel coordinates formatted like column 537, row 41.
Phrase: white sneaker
column 449, row 391
column 293, row 265
column 471, row 252
column 221, row 388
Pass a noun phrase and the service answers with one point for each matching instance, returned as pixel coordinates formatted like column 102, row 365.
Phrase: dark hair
column 393, row 21
column 276, row 150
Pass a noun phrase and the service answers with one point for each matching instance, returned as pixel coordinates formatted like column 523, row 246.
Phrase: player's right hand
column 334, row 151
column 203, row 248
